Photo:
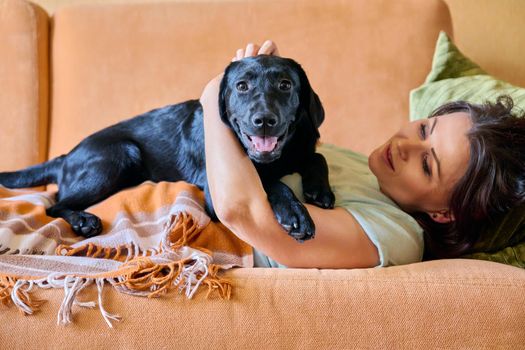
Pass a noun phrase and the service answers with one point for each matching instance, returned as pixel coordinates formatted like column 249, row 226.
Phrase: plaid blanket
column 157, row 237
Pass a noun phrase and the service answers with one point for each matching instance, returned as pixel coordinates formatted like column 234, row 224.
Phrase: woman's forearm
column 233, row 181
column 232, row 178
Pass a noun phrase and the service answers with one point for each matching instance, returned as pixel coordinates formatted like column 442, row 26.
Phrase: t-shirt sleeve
column 397, row 236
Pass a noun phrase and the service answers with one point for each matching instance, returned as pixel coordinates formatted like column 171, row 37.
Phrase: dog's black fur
column 264, row 98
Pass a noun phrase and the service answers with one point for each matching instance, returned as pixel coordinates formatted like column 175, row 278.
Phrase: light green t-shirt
column 397, row 236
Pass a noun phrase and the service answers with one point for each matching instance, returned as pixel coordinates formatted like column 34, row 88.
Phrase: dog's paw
column 321, row 197
column 296, row 221
column 85, row 224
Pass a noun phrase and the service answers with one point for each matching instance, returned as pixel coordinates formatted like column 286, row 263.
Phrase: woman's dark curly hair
column 493, row 183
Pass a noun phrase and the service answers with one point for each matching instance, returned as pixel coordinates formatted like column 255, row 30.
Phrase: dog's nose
column 264, row 119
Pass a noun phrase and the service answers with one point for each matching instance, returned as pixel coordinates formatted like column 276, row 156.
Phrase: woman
column 449, row 174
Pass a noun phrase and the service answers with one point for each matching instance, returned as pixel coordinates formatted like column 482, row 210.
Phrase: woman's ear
column 443, row 216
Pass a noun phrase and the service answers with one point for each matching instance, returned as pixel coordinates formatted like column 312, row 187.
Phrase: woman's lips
column 387, row 156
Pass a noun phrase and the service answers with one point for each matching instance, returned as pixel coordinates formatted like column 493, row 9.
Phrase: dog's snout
column 264, row 119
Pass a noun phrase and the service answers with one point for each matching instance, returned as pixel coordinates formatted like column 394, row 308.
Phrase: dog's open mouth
column 263, row 143
column 261, row 148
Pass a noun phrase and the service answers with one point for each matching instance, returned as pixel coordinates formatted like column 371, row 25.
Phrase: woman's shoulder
column 357, row 190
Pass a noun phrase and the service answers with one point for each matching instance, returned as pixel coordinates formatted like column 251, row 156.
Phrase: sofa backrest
column 111, row 62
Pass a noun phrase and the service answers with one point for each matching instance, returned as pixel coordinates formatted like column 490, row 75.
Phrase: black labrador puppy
column 266, row 100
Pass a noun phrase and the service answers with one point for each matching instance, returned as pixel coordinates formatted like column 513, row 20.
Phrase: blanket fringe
column 186, row 274
column 151, row 279
column 144, row 273
column 120, row 253
column 18, row 291
column 6, row 286
column 181, row 229
column 107, row 316
column 182, row 226
column 72, row 286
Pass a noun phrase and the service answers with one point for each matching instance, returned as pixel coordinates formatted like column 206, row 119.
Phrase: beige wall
column 491, row 32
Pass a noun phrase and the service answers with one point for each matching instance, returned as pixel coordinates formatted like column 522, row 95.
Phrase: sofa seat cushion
column 438, row 304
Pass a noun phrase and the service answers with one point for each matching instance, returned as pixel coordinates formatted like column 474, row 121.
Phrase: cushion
column 455, row 77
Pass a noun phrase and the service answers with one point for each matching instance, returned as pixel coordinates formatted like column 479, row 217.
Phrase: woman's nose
column 407, row 146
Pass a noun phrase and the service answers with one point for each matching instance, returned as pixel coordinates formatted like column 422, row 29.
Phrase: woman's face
column 419, row 166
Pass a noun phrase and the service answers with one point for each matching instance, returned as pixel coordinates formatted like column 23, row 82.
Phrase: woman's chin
column 373, row 162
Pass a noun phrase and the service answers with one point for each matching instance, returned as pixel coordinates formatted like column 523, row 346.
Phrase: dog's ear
column 223, row 93
column 309, row 103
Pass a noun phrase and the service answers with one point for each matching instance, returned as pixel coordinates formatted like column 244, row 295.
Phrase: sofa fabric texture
column 452, row 304
column 362, row 57
column 110, row 62
column 24, row 80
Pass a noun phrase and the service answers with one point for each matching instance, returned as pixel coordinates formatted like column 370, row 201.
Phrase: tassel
column 123, row 252
column 72, row 286
column 182, row 229
column 6, row 286
column 107, row 316
column 153, row 280
column 221, row 285
column 22, row 299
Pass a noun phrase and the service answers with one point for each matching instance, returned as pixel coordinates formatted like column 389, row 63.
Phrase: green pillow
column 455, row 77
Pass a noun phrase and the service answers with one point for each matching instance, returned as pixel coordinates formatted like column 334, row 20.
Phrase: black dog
column 266, row 100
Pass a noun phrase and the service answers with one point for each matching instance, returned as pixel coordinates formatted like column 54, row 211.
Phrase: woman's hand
column 267, row 48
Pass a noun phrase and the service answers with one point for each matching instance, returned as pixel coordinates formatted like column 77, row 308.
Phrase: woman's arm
column 241, row 203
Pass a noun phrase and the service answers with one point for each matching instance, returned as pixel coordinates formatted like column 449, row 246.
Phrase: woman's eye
column 242, row 86
column 285, row 85
column 426, row 167
column 423, row 131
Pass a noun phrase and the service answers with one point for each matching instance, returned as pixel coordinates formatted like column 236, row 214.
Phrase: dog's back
column 167, row 144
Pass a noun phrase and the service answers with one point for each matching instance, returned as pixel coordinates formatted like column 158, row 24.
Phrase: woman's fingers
column 269, row 48
column 250, row 50
column 239, row 55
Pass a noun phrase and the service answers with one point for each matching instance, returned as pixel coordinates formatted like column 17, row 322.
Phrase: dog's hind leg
column 82, row 223
column 88, row 178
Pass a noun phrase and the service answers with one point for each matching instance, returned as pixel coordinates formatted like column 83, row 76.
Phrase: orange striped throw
column 157, row 237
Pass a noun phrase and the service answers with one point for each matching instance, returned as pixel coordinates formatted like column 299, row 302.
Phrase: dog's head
column 263, row 99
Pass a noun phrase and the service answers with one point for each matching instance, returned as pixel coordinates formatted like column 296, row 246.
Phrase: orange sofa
column 66, row 75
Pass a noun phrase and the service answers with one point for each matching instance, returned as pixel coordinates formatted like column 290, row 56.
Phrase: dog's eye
column 242, row 86
column 285, row 85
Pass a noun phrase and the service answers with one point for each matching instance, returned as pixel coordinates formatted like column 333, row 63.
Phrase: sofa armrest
column 24, row 78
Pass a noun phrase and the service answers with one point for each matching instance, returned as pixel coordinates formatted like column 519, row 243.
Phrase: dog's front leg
column 289, row 211
column 316, row 187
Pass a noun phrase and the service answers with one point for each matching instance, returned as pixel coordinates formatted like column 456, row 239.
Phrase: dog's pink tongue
column 264, row 144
